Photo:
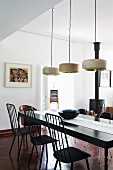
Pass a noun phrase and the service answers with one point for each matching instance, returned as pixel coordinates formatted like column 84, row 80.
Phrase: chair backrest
column 53, row 96
column 26, row 107
column 82, row 111
column 57, row 131
column 13, row 117
column 32, row 123
column 107, row 115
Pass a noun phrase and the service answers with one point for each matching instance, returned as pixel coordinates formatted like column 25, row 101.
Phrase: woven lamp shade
column 68, row 68
column 54, row 71
column 94, row 64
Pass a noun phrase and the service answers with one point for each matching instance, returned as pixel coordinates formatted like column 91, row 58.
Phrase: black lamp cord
column 52, row 36
column 69, row 30
column 95, row 21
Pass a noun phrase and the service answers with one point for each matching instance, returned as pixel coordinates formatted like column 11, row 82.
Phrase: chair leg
column 56, row 165
column 41, row 157
column 39, row 130
column 26, row 143
column 87, row 164
column 19, row 148
column 18, row 142
column 37, row 151
column 71, row 166
column 12, row 145
column 46, row 153
column 46, row 156
column 31, row 155
column 60, row 165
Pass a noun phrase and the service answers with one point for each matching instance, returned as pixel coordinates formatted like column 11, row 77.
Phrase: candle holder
column 100, row 110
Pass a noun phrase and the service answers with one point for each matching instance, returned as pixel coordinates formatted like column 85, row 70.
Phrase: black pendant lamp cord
column 69, row 30
column 52, row 37
column 95, row 21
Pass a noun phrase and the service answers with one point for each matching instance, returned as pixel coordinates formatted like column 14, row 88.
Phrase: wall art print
column 111, row 78
column 105, row 78
column 18, row 75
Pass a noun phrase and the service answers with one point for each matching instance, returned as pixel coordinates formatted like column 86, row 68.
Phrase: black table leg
column 106, row 159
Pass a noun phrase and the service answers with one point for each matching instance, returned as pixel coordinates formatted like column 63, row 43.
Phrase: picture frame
column 111, row 73
column 18, row 75
column 105, row 78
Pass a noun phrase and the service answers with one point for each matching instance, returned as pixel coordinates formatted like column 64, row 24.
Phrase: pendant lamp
column 51, row 70
column 69, row 67
column 95, row 64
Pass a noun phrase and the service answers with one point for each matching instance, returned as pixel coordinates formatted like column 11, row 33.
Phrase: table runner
column 101, row 126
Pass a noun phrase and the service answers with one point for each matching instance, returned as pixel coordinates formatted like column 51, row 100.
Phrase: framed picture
column 105, row 78
column 18, row 75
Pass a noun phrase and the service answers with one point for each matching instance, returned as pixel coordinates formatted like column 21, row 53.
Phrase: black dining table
column 95, row 137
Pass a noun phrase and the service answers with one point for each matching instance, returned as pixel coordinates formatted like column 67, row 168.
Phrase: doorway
column 64, row 86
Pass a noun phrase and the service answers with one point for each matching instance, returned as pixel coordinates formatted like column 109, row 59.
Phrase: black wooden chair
column 23, row 108
column 35, row 134
column 82, row 111
column 109, row 116
column 62, row 151
column 105, row 115
column 16, row 130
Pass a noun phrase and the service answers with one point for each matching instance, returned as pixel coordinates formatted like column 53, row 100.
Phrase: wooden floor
column 10, row 162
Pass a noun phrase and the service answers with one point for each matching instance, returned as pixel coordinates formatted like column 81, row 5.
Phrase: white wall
column 21, row 48
column 105, row 92
column 33, row 49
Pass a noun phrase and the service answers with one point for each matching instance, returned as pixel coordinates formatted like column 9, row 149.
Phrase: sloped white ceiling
column 14, row 14
column 34, row 16
column 82, row 29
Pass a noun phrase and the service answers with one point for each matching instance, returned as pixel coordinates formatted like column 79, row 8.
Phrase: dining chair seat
column 64, row 156
column 41, row 140
column 22, row 131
